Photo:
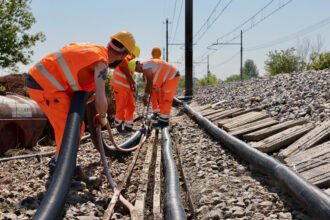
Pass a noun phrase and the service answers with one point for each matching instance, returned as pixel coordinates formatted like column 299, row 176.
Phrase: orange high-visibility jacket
column 119, row 79
column 59, row 70
column 164, row 72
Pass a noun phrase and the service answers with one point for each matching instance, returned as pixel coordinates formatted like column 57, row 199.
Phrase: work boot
column 78, row 185
column 155, row 115
column 128, row 129
column 75, row 185
column 51, row 166
column 91, row 181
column 160, row 124
column 119, row 128
column 118, row 125
column 80, row 180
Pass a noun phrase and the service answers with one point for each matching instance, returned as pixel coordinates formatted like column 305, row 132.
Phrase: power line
column 226, row 61
column 299, row 33
column 200, row 29
column 173, row 16
column 177, row 24
column 207, row 20
column 252, row 21
column 240, row 27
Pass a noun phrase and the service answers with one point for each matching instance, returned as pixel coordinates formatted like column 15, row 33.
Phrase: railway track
column 214, row 183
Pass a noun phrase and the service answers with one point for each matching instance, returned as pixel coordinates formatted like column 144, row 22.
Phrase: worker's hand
column 133, row 87
column 91, row 99
column 102, row 120
column 145, row 99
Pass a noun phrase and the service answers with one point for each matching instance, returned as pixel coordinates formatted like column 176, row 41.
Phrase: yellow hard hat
column 132, row 65
column 156, row 52
column 136, row 52
column 126, row 39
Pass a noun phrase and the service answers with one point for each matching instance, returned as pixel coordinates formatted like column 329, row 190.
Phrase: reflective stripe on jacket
column 165, row 71
column 119, row 79
column 58, row 71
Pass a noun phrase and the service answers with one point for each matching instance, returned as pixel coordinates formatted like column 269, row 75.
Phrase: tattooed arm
column 100, row 75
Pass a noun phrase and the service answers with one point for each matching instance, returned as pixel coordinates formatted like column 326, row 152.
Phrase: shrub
column 281, row 62
column 212, row 80
column 319, row 61
column 237, row 77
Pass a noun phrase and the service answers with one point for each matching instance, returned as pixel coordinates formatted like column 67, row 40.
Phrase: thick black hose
column 310, row 197
column 173, row 204
column 52, row 205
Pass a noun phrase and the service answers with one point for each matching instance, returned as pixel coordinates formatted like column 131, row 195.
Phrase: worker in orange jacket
column 156, row 54
column 76, row 67
column 123, row 88
column 162, row 77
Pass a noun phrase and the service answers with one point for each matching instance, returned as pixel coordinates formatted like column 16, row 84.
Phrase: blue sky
column 67, row 21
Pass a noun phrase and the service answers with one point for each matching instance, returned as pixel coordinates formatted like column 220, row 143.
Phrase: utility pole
column 241, row 43
column 189, row 47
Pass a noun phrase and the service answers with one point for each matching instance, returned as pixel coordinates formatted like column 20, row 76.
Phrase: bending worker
column 75, row 67
column 162, row 77
column 156, row 54
column 123, row 88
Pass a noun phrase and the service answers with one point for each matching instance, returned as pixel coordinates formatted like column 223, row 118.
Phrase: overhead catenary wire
column 292, row 36
column 228, row 60
column 240, row 27
column 207, row 20
column 173, row 17
column 252, row 21
column 177, row 24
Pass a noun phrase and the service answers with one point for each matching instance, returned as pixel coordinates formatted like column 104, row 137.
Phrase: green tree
column 250, row 69
column 108, row 88
column 182, row 82
column 139, row 82
column 16, row 19
column 281, row 62
column 319, row 61
column 204, row 82
column 237, row 77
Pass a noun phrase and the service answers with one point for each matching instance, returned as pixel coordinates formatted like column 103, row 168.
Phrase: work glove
column 103, row 120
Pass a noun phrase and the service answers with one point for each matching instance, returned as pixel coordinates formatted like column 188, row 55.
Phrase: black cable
column 173, row 207
column 52, row 204
column 27, row 156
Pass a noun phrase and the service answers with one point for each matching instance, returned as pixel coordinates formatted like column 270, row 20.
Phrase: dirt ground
column 14, row 83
